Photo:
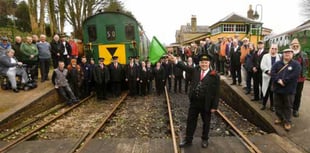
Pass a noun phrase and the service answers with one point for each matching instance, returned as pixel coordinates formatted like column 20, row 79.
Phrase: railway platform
column 13, row 105
column 12, row 102
column 300, row 132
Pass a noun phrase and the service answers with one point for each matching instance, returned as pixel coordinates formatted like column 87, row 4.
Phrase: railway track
column 172, row 130
column 83, row 144
column 86, row 137
column 237, row 132
column 32, row 132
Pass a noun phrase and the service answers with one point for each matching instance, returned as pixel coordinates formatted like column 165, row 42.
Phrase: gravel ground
column 139, row 117
column 79, row 121
column 180, row 104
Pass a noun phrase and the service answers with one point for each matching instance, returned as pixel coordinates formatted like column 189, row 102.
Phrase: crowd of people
column 257, row 70
column 271, row 76
column 32, row 54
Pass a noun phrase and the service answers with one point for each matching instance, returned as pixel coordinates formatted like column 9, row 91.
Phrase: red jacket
column 74, row 48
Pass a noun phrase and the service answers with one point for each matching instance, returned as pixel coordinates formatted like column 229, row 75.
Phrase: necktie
column 202, row 75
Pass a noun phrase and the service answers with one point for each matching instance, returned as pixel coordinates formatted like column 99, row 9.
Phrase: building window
column 110, row 32
column 229, row 28
column 92, row 33
column 216, row 30
column 130, row 32
column 240, row 28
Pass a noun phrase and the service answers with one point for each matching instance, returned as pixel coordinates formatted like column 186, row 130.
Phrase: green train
column 109, row 34
column 302, row 33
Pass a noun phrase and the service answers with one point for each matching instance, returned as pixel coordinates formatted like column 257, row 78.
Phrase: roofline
column 231, row 14
column 113, row 12
column 292, row 30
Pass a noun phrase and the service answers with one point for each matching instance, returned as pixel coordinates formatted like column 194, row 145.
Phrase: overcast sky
column 161, row 18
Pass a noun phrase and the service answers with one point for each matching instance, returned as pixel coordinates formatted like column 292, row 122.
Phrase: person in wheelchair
column 11, row 67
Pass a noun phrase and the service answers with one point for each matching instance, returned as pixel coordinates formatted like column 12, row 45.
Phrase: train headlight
column 133, row 43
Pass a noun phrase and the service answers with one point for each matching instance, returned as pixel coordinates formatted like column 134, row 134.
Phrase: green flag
column 156, row 50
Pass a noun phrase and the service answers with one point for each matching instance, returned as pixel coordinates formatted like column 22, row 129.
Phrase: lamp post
column 260, row 17
column 256, row 15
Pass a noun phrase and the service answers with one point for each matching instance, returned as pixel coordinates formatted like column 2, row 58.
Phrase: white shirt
column 205, row 72
column 65, row 52
column 13, row 61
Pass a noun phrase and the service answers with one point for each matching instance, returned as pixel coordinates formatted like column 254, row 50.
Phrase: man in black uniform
column 101, row 76
column 203, row 96
column 132, row 76
column 116, row 73
column 257, row 72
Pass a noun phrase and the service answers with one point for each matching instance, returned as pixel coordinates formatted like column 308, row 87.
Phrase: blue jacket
column 5, row 64
column 289, row 76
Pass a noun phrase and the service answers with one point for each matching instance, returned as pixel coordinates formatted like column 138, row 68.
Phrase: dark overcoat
column 203, row 92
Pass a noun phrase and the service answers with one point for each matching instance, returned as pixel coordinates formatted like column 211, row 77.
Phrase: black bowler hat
column 63, row 35
column 130, row 57
column 260, row 42
column 204, row 58
column 101, row 59
column 115, row 57
column 137, row 57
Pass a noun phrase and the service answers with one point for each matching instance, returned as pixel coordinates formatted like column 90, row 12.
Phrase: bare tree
column 52, row 16
column 78, row 10
column 62, row 12
column 42, row 16
column 33, row 15
column 305, row 9
column 37, row 24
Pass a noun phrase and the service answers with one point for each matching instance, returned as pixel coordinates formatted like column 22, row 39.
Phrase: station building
column 228, row 26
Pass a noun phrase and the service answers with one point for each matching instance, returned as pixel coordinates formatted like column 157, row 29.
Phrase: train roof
column 303, row 26
column 112, row 12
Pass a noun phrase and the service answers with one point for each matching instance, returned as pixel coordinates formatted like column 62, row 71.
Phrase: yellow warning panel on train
column 108, row 51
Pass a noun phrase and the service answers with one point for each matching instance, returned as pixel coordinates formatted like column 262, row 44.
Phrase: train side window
column 130, row 32
column 92, row 33
column 111, row 34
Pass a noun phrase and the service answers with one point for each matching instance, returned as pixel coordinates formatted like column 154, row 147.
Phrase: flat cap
column 288, row 50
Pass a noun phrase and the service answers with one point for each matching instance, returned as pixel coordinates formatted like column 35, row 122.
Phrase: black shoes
column 233, row 84
column 185, row 143
column 295, row 113
column 204, row 144
column 254, row 99
column 263, row 107
column 272, row 109
column 15, row 90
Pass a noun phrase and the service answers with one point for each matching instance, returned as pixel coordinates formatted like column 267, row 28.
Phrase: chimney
column 250, row 12
column 194, row 23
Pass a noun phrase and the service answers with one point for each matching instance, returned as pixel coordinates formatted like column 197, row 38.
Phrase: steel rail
column 30, row 133
column 34, row 119
column 90, row 136
column 175, row 148
column 253, row 148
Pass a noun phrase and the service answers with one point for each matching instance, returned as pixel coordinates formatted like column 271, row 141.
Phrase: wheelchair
column 31, row 84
